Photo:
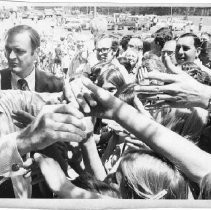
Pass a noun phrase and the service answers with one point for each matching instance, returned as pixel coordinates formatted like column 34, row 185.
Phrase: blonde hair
column 146, row 175
column 98, row 25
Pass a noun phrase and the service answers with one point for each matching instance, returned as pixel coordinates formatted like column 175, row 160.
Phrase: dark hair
column 112, row 75
column 124, row 41
column 126, row 93
column 162, row 35
column 197, row 41
column 33, row 34
column 90, row 183
column 204, row 55
column 124, row 61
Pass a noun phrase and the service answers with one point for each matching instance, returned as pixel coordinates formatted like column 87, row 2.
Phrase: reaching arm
column 191, row 160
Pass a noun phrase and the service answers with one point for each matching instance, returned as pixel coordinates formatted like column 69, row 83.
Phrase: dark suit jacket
column 44, row 82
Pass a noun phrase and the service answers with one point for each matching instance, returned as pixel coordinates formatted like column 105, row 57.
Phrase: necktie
column 22, row 84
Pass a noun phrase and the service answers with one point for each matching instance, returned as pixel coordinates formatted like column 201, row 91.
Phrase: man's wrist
column 206, row 98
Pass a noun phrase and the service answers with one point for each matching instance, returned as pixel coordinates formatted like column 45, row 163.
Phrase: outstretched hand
column 180, row 89
column 21, row 118
column 106, row 105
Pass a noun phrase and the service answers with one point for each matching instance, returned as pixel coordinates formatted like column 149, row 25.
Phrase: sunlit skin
column 104, row 52
column 109, row 87
column 19, row 53
column 185, row 50
column 135, row 43
column 169, row 48
column 132, row 57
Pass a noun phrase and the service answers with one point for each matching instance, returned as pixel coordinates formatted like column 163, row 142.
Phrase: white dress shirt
column 30, row 80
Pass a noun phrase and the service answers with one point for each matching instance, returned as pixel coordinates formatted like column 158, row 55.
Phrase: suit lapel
column 6, row 79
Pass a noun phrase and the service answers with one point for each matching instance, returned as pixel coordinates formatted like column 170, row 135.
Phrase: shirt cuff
column 10, row 159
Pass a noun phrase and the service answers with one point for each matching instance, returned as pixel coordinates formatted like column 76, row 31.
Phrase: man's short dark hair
column 197, row 41
column 163, row 35
column 33, row 34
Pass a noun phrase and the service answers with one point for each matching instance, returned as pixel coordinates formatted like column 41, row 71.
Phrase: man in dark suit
column 21, row 49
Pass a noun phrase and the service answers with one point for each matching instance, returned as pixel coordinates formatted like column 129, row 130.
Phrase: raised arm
column 191, row 160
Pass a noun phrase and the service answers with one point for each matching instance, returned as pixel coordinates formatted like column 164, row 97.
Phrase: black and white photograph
column 105, row 104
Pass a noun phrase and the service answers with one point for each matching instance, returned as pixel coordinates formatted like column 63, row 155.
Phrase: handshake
column 68, row 120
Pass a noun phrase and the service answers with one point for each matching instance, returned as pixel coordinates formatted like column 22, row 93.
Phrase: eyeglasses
column 169, row 53
column 102, row 50
column 133, row 46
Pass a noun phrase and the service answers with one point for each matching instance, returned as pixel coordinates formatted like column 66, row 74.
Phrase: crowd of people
column 105, row 115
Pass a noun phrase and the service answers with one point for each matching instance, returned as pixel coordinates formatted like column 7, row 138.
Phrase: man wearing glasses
column 169, row 49
column 107, row 50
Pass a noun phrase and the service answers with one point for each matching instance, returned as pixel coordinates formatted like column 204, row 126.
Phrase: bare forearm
column 205, row 96
column 92, row 160
column 71, row 191
column 188, row 157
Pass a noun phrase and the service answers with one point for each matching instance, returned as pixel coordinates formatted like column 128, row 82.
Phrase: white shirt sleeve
column 9, row 155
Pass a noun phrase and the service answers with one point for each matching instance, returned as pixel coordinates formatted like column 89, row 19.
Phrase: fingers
column 100, row 94
column 160, row 105
column 68, row 94
column 66, row 137
column 164, row 77
column 66, row 119
column 21, row 118
column 165, row 97
column 170, row 66
column 64, row 109
column 79, row 90
column 19, row 125
column 67, row 128
column 149, row 90
column 83, row 103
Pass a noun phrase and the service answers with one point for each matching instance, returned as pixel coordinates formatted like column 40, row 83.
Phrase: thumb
column 38, row 158
column 68, row 94
column 170, row 66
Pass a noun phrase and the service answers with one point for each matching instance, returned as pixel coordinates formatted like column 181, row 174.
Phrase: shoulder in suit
column 5, row 75
column 46, row 82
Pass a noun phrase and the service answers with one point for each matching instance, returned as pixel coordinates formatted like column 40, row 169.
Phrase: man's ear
column 36, row 53
column 198, row 51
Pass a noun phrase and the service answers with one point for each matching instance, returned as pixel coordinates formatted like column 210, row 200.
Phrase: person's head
column 205, row 54
column 161, row 36
column 106, row 48
column 205, row 37
column 135, row 43
column 132, row 56
column 21, row 49
column 111, row 80
column 126, row 93
column 147, row 44
column 142, row 174
column 98, row 25
column 188, row 48
column 80, row 40
column 205, row 187
column 90, row 183
column 169, row 49
column 124, row 61
column 124, row 41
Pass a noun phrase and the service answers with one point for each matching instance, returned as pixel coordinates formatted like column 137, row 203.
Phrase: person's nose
column 12, row 55
column 180, row 50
